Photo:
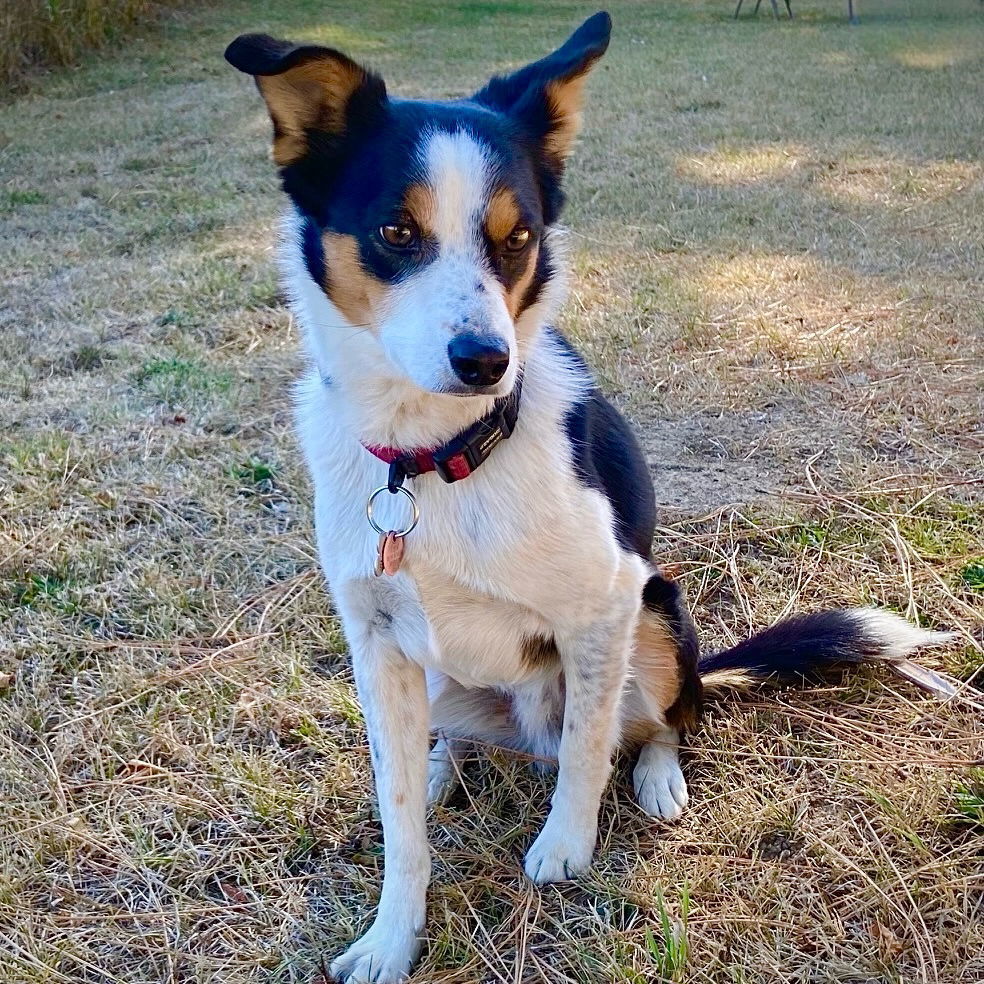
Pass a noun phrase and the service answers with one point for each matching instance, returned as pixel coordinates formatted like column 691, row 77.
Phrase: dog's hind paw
column 659, row 784
column 442, row 771
column 379, row 957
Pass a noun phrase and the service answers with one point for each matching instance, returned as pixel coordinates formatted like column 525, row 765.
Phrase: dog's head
column 427, row 224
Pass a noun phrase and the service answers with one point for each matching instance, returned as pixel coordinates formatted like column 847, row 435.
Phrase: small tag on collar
column 390, row 547
column 389, row 556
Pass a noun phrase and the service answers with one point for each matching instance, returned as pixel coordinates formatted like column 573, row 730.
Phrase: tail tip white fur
column 894, row 634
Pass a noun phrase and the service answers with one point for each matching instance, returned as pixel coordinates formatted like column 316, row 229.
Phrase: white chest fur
column 518, row 549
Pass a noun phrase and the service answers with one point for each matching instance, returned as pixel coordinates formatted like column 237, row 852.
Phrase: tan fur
column 312, row 95
column 539, row 652
column 565, row 97
column 420, row 204
column 654, row 660
column 502, row 214
column 356, row 293
column 655, row 680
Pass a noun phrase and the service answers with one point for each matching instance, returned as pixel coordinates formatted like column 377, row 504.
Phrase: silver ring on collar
column 414, row 516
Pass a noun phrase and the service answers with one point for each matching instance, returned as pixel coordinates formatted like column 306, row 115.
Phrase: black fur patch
column 313, row 249
column 607, row 457
column 801, row 645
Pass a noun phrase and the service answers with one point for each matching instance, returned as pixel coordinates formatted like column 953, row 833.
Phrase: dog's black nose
column 478, row 361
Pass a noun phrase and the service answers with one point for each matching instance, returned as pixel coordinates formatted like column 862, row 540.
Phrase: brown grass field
column 778, row 251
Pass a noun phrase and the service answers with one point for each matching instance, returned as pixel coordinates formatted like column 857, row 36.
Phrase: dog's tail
column 806, row 645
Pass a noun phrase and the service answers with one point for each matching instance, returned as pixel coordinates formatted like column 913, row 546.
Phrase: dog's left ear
column 546, row 96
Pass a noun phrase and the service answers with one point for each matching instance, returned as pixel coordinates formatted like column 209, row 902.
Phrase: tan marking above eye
column 418, row 200
column 502, row 215
column 354, row 291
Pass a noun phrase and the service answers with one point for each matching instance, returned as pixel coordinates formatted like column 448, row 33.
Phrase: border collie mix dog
column 423, row 258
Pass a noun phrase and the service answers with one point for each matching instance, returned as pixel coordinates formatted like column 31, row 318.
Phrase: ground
column 777, row 246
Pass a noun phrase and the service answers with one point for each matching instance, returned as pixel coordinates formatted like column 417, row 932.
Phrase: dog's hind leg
column 658, row 779
column 663, row 698
column 460, row 713
column 447, row 754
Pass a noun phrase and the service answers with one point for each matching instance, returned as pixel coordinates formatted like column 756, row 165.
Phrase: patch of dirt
column 704, row 462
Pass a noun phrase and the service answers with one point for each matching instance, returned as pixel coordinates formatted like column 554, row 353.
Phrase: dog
column 484, row 515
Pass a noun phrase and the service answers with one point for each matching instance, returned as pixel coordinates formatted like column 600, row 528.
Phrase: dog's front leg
column 595, row 661
column 393, row 695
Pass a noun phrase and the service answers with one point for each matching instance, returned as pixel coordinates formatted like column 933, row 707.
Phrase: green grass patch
column 670, row 949
column 51, row 591
column 57, row 32
column 176, row 381
column 973, row 575
column 14, row 198
column 255, row 471
column 968, row 799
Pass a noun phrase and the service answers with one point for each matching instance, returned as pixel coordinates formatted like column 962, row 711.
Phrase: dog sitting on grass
column 484, row 515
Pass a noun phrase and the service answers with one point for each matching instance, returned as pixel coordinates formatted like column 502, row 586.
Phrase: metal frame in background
column 851, row 15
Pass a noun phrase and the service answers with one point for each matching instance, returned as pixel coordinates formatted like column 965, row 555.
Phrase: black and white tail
column 805, row 645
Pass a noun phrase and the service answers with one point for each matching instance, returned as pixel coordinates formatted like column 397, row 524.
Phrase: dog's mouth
column 464, row 391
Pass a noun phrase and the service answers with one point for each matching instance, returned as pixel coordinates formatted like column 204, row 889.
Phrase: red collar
column 463, row 453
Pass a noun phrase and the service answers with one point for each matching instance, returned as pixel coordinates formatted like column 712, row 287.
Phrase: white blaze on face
column 458, row 171
column 456, row 292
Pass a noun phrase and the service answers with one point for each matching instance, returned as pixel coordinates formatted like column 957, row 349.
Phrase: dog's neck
column 385, row 412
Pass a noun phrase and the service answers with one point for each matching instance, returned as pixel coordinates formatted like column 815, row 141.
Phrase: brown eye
column 399, row 235
column 517, row 239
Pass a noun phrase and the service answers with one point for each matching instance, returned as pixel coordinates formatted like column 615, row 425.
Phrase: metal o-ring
column 414, row 518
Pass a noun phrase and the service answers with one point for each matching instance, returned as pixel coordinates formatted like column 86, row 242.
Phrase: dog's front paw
column 561, row 852
column 379, row 957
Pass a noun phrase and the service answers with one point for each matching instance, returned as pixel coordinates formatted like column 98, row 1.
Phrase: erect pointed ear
column 546, row 96
column 307, row 88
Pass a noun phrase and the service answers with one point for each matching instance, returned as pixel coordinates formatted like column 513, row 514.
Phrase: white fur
column 658, row 779
column 895, row 634
column 460, row 172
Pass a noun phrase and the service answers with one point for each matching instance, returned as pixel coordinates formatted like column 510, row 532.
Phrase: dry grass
column 778, row 255
column 58, row 32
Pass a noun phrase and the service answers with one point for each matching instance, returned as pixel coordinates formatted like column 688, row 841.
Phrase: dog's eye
column 517, row 239
column 399, row 235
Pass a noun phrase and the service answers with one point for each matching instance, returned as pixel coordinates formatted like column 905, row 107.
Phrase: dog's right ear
column 308, row 90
